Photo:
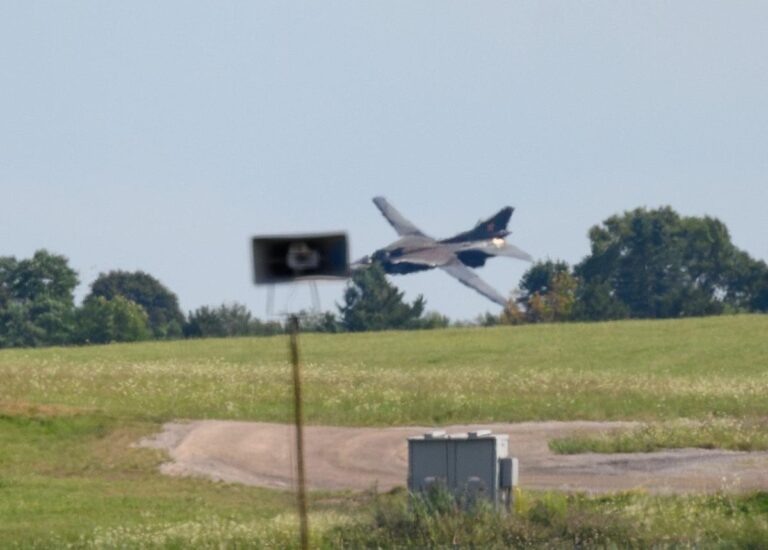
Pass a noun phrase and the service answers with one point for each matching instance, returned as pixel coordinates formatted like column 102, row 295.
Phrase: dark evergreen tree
column 373, row 303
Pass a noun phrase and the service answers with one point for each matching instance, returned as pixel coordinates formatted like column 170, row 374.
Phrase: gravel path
column 259, row 453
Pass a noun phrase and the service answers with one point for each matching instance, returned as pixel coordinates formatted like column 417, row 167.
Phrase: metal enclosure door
column 476, row 468
column 427, row 458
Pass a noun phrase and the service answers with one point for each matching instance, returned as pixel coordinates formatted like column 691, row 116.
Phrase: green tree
column 373, row 303
column 556, row 303
column 489, row 319
column 434, row 319
column 547, row 294
column 101, row 321
column 45, row 275
column 161, row 305
column 7, row 277
column 512, row 314
column 321, row 321
column 225, row 320
column 265, row 328
column 657, row 264
column 36, row 300
column 748, row 289
column 539, row 278
column 17, row 328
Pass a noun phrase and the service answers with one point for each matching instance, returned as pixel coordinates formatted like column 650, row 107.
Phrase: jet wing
column 510, row 251
column 468, row 277
column 396, row 219
column 433, row 256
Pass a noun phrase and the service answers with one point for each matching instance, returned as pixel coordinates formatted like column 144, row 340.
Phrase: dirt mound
column 259, row 453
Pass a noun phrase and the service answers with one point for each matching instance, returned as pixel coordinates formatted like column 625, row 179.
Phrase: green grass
column 641, row 370
column 69, row 416
column 541, row 520
column 718, row 433
column 62, row 477
column 556, row 520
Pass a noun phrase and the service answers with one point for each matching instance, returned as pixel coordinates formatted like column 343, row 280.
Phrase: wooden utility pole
column 299, row 421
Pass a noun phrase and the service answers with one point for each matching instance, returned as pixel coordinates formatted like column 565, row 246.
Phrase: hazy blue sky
column 162, row 135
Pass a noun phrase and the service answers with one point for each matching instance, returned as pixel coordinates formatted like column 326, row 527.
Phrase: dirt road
column 258, row 453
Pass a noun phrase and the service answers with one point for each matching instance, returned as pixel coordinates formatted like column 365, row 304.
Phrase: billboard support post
column 299, row 422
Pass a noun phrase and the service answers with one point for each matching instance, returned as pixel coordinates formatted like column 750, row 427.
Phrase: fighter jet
column 416, row 251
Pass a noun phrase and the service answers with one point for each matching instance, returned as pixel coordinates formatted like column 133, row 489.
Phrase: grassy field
column 68, row 417
column 629, row 370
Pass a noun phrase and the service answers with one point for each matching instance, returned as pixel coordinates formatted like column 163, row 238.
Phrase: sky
column 161, row 136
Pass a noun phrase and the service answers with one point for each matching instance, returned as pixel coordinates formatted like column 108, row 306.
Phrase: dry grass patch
column 28, row 409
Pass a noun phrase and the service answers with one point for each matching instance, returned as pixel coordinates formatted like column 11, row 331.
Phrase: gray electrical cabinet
column 470, row 465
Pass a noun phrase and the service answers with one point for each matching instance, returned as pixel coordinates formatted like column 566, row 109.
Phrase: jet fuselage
column 415, row 251
column 394, row 258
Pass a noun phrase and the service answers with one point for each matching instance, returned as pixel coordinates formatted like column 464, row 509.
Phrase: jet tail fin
column 495, row 226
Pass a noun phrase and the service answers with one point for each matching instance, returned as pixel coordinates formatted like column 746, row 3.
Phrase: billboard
column 289, row 258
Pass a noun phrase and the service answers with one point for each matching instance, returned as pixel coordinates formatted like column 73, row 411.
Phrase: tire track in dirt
column 260, row 453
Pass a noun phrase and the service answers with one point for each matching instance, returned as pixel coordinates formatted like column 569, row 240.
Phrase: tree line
column 37, row 308
column 37, row 305
column 642, row 264
column 645, row 264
